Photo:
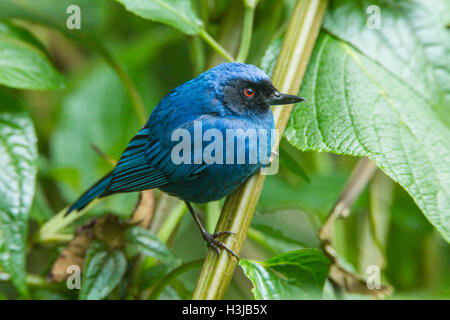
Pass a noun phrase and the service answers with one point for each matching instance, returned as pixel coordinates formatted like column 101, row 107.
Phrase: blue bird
column 231, row 97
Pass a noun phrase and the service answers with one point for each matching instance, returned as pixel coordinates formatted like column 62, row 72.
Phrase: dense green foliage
column 70, row 100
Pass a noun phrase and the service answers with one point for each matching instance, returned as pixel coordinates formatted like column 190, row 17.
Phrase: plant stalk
column 164, row 282
column 212, row 215
column 246, row 37
column 340, row 278
column 197, row 55
column 238, row 210
column 171, row 222
column 216, row 46
column 31, row 280
column 360, row 177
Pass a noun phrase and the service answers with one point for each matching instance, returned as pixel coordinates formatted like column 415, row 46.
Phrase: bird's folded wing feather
column 159, row 155
column 133, row 172
column 146, row 163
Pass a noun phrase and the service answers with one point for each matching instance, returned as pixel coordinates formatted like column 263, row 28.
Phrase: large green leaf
column 359, row 108
column 362, row 105
column 18, row 153
column 413, row 42
column 23, row 61
column 103, row 271
column 273, row 239
column 270, row 56
column 293, row 275
column 93, row 13
column 176, row 13
column 140, row 240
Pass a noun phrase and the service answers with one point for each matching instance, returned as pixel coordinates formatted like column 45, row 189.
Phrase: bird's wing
column 133, row 172
column 159, row 155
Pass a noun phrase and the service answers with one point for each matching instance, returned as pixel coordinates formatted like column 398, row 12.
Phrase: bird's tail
column 93, row 192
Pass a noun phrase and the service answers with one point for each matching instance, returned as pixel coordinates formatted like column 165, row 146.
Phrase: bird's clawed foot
column 211, row 240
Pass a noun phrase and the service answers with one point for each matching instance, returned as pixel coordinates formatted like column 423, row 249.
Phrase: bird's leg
column 211, row 238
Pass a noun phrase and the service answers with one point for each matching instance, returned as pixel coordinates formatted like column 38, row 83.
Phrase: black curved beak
column 278, row 98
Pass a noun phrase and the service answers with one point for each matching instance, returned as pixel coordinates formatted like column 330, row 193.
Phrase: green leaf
column 176, row 13
column 23, row 61
column 95, row 14
column 369, row 99
column 40, row 210
column 18, row 155
column 140, row 240
column 316, row 197
column 413, row 42
column 359, row 108
column 151, row 275
column 270, row 56
column 273, row 239
column 293, row 275
column 402, row 254
column 103, row 271
column 288, row 161
column 44, row 294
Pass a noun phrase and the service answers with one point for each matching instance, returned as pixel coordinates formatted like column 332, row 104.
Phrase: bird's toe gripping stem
column 212, row 242
column 211, row 239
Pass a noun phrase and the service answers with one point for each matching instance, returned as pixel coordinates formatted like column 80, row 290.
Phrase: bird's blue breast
column 241, row 156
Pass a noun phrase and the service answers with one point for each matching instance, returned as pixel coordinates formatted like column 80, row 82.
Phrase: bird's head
column 246, row 90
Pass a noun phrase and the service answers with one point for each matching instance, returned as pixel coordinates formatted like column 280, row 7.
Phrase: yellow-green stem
column 238, row 210
column 197, row 55
column 246, row 37
column 171, row 222
column 32, row 280
column 59, row 221
column 212, row 215
column 164, row 282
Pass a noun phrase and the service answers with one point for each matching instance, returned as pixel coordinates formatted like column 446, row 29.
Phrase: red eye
column 249, row 92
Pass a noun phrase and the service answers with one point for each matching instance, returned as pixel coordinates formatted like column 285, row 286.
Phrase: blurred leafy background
column 66, row 113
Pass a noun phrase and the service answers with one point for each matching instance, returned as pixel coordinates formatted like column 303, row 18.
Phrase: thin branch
column 359, row 178
column 340, row 278
column 103, row 155
column 136, row 99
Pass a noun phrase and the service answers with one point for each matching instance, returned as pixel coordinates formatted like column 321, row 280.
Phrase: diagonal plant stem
column 136, row 99
column 164, row 282
column 359, row 178
column 238, row 210
column 216, row 46
column 340, row 278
